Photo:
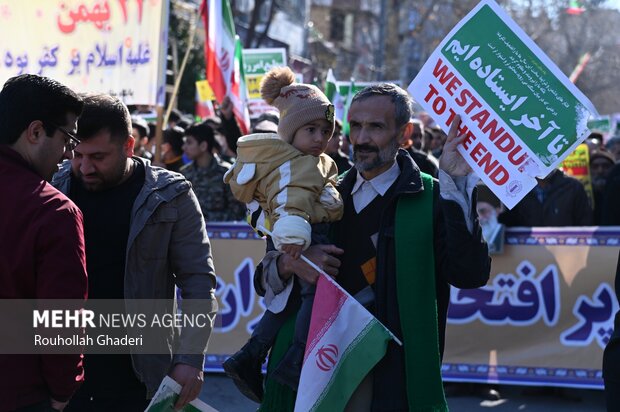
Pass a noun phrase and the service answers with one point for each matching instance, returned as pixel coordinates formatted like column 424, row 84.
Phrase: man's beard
column 384, row 156
column 104, row 181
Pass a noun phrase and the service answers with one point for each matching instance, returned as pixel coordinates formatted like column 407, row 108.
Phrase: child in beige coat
column 289, row 185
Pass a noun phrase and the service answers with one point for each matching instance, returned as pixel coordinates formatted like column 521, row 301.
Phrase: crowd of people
column 111, row 223
column 558, row 200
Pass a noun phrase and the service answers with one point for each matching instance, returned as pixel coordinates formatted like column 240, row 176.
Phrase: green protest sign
column 603, row 124
column 167, row 395
column 340, row 94
column 257, row 62
column 521, row 114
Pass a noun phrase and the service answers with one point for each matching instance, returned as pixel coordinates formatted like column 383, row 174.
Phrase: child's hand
column 293, row 251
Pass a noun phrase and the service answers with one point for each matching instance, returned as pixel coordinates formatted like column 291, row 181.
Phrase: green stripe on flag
column 345, row 119
column 330, row 86
column 229, row 24
column 358, row 359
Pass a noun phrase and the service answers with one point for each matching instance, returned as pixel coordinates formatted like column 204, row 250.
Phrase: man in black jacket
column 557, row 200
column 364, row 253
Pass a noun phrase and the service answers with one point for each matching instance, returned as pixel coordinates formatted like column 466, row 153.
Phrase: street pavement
column 219, row 392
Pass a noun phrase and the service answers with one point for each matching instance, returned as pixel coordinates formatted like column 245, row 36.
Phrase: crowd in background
column 203, row 151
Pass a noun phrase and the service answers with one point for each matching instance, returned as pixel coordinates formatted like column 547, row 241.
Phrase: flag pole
column 177, row 81
column 330, row 279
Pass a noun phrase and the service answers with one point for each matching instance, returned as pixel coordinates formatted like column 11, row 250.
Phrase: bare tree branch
column 272, row 12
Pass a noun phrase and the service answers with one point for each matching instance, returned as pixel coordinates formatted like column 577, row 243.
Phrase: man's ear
column 129, row 146
column 204, row 146
column 405, row 135
column 35, row 131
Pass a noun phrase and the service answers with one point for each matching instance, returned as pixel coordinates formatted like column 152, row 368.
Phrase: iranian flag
column 347, row 105
column 332, row 92
column 340, row 93
column 344, row 343
column 575, row 7
column 223, row 59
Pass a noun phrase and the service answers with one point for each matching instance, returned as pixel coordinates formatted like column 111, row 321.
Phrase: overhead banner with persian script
column 519, row 112
column 111, row 46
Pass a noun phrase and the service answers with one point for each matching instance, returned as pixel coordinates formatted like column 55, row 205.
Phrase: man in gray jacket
column 144, row 234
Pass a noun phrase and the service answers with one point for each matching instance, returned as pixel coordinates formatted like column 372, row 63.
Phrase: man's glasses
column 72, row 142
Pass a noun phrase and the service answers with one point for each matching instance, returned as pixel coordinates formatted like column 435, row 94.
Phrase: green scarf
column 417, row 299
column 417, row 304
column 279, row 398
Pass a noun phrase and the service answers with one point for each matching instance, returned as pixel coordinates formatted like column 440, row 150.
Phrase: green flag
column 345, row 121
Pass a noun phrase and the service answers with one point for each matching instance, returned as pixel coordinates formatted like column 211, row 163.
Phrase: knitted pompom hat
column 298, row 103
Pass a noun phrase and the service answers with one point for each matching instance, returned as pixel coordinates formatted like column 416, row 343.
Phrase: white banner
column 112, row 46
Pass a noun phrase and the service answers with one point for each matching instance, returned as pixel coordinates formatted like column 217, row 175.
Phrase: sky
column 614, row 3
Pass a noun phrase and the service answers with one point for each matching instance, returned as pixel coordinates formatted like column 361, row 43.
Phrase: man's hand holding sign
column 520, row 115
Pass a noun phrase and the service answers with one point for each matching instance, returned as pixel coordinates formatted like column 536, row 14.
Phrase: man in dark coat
column 369, row 239
column 42, row 252
column 557, row 200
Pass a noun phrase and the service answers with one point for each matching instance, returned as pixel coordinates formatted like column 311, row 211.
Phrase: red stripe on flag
column 328, row 300
column 213, row 71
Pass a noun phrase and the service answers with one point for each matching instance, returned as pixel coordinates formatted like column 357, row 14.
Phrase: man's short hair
column 174, row 137
column 202, row 132
column 400, row 98
column 103, row 112
column 175, row 115
column 266, row 123
column 271, row 116
column 152, row 129
column 139, row 123
column 214, row 122
column 184, row 123
column 29, row 97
